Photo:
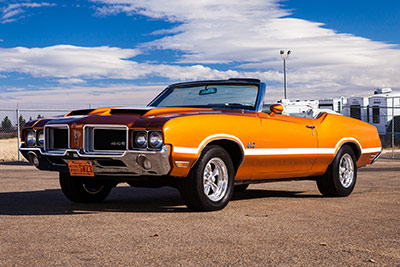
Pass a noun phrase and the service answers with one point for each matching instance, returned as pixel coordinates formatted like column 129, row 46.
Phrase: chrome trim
column 59, row 126
column 376, row 157
column 87, row 133
column 159, row 160
column 228, row 139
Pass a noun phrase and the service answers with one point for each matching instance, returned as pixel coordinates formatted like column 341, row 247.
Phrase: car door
column 286, row 145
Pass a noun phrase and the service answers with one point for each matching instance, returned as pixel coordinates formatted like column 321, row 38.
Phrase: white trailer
column 357, row 107
column 382, row 108
column 298, row 107
column 335, row 104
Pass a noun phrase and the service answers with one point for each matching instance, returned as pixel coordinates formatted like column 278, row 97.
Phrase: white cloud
column 71, row 63
column 11, row 12
column 67, row 61
column 247, row 35
column 66, row 96
column 250, row 34
column 71, row 81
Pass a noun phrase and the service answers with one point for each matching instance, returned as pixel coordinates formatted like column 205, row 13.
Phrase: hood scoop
column 128, row 110
column 80, row 112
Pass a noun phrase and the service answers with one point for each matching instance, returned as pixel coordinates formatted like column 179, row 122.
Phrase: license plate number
column 80, row 168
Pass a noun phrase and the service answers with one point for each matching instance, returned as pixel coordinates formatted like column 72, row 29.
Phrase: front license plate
column 80, row 168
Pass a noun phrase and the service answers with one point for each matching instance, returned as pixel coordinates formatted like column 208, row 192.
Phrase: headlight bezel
column 143, row 143
column 40, row 138
column 158, row 142
column 30, row 138
column 146, row 135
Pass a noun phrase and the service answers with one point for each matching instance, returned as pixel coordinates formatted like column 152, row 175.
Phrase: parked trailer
column 357, row 107
column 299, row 108
column 382, row 108
column 335, row 104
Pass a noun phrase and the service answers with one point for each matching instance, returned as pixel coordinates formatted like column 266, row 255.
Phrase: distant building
column 298, row 107
column 357, row 107
column 383, row 105
column 335, row 104
column 377, row 109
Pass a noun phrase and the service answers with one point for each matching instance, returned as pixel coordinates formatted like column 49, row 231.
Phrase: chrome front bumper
column 129, row 162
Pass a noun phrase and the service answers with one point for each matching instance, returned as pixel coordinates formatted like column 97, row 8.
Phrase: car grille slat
column 109, row 139
column 106, row 138
column 56, row 138
column 60, row 138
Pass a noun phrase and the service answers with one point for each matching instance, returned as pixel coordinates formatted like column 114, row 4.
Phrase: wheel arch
column 234, row 149
column 354, row 146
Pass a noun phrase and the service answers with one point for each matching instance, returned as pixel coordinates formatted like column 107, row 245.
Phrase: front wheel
column 340, row 178
column 209, row 185
column 82, row 190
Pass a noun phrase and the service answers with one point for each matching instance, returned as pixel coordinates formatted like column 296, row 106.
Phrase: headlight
column 30, row 138
column 40, row 138
column 141, row 139
column 155, row 139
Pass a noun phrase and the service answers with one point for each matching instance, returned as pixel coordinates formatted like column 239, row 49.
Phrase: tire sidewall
column 340, row 189
column 73, row 189
column 197, row 175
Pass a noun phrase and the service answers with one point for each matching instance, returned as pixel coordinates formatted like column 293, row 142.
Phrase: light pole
column 284, row 56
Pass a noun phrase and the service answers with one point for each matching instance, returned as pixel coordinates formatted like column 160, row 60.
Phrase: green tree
column 22, row 121
column 6, row 124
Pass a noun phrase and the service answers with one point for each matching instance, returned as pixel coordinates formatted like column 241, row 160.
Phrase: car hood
column 143, row 117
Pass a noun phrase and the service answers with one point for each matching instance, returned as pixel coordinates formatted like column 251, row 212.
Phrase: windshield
column 210, row 96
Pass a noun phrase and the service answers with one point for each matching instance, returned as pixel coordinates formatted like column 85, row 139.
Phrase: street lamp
column 284, row 56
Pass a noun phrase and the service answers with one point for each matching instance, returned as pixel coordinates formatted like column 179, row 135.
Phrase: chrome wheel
column 92, row 188
column 215, row 179
column 346, row 170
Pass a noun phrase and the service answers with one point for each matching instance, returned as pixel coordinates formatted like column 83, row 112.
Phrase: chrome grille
column 56, row 138
column 106, row 138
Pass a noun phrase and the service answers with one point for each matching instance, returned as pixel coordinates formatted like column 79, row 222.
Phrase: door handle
column 310, row 126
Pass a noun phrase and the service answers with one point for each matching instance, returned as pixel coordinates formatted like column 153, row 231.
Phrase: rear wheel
column 82, row 190
column 209, row 185
column 340, row 178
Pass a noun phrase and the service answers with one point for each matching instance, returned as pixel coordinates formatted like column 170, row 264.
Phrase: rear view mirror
column 208, row 91
column 276, row 108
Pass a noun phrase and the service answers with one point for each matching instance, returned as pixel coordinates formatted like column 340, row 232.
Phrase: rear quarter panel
column 335, row 130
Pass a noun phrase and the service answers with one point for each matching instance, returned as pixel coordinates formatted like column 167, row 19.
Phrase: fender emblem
column 76, row 137
column 251, row 145
column 115, row 143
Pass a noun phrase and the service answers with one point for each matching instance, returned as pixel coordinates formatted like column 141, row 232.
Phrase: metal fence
column 13, row 119
column 386, row 117
column 381, row 111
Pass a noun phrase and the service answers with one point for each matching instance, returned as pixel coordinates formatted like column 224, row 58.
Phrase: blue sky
column 123, row 52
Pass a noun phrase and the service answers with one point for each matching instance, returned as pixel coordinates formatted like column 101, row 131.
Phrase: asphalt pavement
column 272, row 224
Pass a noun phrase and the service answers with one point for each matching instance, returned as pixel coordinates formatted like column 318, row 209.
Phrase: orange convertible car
column 207, row 138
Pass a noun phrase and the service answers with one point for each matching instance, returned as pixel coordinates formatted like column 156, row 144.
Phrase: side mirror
column 276, row 108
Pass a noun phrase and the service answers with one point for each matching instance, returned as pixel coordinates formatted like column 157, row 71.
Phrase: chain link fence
column 13, row 119
column 382, row 112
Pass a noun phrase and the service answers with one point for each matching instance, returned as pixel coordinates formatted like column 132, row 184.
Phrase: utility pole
column 284, row 55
